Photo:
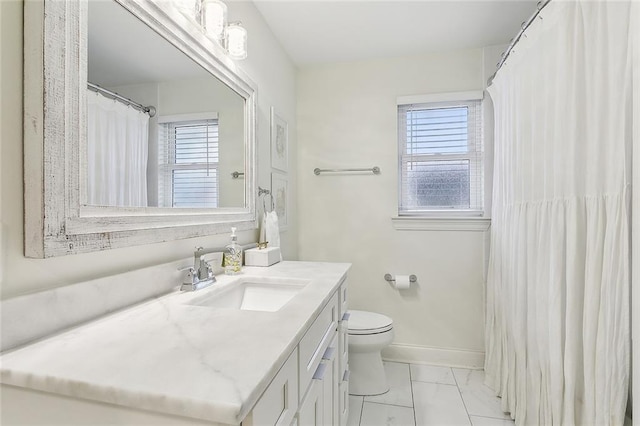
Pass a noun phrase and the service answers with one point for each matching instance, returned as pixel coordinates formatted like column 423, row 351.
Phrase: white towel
column 272, row 230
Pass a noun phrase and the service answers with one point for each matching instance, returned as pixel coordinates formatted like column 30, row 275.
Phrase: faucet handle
column 191, row 275
column 204, row 269
column 209, row 270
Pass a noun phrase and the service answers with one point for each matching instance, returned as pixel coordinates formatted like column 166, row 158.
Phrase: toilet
column 369, row 333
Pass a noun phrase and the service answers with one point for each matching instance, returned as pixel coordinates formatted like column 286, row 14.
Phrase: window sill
column 412, row 223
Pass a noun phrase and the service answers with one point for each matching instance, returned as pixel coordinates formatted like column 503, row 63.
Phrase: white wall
column 275, row 83
column 7, row 73
column 267, row 65
column 634, row 385
column 347, row 118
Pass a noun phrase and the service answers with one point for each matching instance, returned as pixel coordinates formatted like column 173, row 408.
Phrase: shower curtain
column 558, row 326
column 117, row 153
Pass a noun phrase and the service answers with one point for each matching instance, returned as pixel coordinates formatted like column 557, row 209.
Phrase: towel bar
column 375, row 170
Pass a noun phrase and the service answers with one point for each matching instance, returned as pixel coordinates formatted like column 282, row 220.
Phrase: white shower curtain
column 557, row 331
column 117, row 151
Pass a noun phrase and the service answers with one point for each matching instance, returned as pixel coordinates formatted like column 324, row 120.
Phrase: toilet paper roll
column 402, row 282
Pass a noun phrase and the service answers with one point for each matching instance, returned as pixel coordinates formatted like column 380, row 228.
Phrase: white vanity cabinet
column 318, row 350
column 343, row 356
column 322, row 396
column 322, row 368
column 310, row 388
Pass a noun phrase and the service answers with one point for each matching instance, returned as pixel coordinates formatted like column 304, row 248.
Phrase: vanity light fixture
column 236, row 36
column 214, row 19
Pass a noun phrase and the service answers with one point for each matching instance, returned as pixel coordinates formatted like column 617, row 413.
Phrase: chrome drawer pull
column 345, row 378
column 346, row 316
column 319, row 374
column 328, row 354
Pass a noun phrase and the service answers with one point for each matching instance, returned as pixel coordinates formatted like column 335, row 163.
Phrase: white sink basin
column 251, row 295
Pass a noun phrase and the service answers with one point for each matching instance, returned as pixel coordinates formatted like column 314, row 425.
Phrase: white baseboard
column 434, row 356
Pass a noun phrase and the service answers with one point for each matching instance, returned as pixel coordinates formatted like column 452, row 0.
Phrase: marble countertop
column 168, row 356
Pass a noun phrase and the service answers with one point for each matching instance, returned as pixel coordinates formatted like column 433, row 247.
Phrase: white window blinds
column 188, row 154
column 441, row 157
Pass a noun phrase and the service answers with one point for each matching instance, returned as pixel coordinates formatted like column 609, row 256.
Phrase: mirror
column 187, row 151
column 69, row 205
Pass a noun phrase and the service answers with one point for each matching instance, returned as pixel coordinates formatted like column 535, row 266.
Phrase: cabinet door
column 343, row 344
column 343, row 328
column 342, row 407
column 278, row 404
column 343, row 299
column 310, row 413
column 344, row 402
column 331, row 379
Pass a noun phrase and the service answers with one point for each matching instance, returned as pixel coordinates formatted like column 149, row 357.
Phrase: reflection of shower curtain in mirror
column 117, row 152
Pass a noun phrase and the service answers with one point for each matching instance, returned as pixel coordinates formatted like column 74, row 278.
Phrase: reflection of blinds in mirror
column 441, row 161
column 188, row 169
column 195, row 188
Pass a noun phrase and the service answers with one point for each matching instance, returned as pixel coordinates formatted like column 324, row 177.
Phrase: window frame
column 475, row 156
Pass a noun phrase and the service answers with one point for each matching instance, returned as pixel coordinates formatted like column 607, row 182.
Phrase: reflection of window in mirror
column 188, row 155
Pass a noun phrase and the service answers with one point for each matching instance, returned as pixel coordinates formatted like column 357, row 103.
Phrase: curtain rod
column 151, row 110
column 541, row 5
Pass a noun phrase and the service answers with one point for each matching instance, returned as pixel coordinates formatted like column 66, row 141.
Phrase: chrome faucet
column 201, row 274
column 200, row 265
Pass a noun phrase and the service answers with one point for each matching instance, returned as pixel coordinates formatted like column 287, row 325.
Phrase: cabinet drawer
column 316, row 341
column 278, row 404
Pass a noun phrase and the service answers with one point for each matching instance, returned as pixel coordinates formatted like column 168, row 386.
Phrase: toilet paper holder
column 390, row 278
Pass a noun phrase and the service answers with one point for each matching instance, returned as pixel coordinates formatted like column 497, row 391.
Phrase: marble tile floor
column 424, row 395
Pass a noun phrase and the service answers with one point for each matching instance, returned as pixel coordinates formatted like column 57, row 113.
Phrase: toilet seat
column 363, row 322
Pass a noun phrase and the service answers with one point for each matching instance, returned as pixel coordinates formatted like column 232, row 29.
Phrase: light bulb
column 214, row 18
column 236, row 40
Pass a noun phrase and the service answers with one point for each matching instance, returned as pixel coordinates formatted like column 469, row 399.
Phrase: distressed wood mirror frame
column 55, row 81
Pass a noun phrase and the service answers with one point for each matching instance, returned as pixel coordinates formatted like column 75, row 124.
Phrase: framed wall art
column 280, row 191
column 279, row 142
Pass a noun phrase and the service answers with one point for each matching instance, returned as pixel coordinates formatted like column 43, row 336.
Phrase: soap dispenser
column 232, row 255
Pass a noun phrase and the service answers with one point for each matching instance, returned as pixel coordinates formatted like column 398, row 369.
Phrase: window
column 188, row 154
column 440, row 155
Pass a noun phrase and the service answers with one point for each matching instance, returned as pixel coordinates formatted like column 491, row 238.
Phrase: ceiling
column 323, row 31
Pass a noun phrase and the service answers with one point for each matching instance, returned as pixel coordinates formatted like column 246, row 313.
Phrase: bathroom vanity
column 267, row 347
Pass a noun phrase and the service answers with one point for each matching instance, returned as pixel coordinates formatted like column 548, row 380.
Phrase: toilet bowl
column 369, row 333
